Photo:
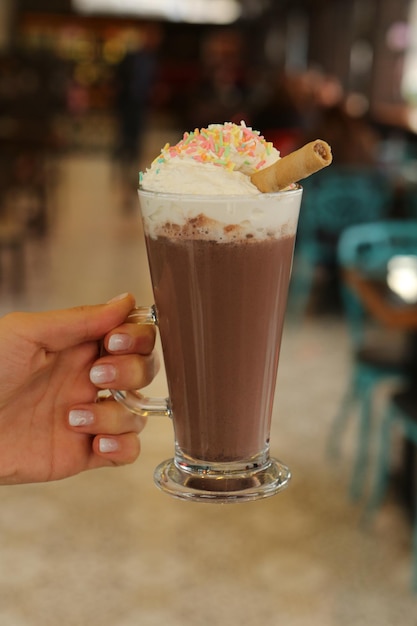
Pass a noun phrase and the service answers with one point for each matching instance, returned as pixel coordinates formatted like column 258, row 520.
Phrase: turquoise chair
column 333, row 199
column 401, row 413
column 368, row 247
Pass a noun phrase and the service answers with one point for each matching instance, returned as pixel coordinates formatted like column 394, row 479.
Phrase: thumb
column 58, row 330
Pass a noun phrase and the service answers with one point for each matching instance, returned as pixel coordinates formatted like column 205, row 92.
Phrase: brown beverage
column 221, row 309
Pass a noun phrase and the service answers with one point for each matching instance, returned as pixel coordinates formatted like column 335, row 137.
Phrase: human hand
column 51, row 424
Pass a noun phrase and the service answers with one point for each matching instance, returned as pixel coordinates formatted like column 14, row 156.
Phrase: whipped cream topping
column 201, row 188
column 217, row 160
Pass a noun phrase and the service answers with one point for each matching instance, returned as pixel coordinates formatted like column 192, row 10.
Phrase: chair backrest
column 337, row 198
column 368, row 247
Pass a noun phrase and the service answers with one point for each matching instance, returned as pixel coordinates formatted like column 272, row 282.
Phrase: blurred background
column 90, row 90
column 112, row 81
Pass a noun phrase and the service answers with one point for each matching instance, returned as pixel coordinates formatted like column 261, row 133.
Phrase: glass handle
column 134, row 400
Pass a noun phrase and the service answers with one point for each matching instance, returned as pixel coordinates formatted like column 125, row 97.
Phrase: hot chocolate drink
column 220, row 311
column 220, row 269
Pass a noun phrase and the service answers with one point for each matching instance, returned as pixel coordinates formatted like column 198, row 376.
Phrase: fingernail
column 119, row 297
column 119, row 342
column 100, row 374
column 80, row 417
column 108, row 445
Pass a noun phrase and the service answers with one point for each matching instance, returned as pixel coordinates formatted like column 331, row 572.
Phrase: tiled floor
column 107, row 548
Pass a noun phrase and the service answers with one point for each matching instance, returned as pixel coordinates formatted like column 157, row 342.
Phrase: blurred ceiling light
column 191, row 11
column 398, row 36
column 402, row 277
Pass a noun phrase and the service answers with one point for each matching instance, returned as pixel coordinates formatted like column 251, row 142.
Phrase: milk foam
column 220, row 218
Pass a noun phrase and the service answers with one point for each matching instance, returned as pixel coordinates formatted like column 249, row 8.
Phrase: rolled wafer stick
column 294, row 167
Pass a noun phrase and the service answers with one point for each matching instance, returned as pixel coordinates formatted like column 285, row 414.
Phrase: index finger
column 61, row 329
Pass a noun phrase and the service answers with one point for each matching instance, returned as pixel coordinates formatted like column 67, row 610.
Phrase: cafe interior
column 338, row 547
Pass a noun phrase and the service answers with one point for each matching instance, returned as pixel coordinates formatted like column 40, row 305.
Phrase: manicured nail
column 119, row 342
column 101, row 374
column 108, row 445
column 119, row 297
column 80, row 417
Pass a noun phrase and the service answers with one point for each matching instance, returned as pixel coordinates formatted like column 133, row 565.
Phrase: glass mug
column 220, row 269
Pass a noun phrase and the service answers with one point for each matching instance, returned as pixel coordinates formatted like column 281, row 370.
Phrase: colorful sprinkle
column 226, row 145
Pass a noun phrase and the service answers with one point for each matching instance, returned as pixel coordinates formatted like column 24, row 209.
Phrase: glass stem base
column 221, row 482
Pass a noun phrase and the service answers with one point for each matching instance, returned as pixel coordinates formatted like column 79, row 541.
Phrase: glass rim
column 295, row 190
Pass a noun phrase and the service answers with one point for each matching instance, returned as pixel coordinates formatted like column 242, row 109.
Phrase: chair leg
column 362, row 455
column 381, row 483
column 382, row 464
column 340, row 421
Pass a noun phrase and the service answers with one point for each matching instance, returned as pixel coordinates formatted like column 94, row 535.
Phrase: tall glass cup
column 220, row 269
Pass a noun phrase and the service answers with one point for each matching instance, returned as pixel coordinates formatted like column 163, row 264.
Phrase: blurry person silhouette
column 278, row 115
column 134, row 80
column 221, row 91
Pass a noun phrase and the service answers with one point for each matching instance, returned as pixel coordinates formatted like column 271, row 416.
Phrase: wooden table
column 375, row 295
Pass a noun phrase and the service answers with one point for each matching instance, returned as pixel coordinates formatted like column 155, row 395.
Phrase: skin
column 51, row 424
